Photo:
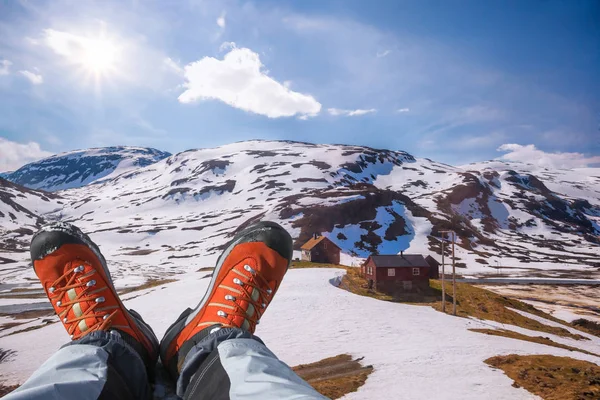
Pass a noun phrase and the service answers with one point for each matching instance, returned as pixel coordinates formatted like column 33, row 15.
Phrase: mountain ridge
column 525, row 219
column 82, row 167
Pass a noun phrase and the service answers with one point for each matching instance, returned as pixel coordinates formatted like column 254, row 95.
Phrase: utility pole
column 443, row 280
column 453, row 273
column 453, row 276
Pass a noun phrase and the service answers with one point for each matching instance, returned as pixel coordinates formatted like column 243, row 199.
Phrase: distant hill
column 525, row 219
column 82, row 167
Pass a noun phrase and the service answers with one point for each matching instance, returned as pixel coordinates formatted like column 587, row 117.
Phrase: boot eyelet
column 58, row 303
column 79, row 269
column 221, row 313
column 249, row 269
column 91, row 283
column 237, row 281
column 100, row 299
column 229, row 297
column 51, row 289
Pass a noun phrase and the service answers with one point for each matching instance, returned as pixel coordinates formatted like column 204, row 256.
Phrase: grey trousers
column 229, row 364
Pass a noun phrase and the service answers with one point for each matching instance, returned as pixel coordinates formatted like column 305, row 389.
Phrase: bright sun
column 99, row 56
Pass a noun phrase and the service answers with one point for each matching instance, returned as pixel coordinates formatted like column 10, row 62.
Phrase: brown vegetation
column 4, row 390
column 551, row 377
column 44, row 323
column 336, row 376
column 30, row 314
column 533, row 339
column 472, row 301
column 149, row 284
column 476, row 302
column 586, row 325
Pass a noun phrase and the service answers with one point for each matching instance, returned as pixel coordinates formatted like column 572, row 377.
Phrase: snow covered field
column 417, row 352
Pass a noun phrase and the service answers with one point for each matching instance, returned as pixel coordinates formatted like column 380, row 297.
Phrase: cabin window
column 391, row 272
column 416, row 271
column 369, row 270
column 324, row 245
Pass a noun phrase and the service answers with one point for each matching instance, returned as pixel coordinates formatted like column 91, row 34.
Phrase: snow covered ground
column 417, row 352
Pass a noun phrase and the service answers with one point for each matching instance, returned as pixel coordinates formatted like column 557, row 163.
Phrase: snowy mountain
column 81, row 167
column 163, row 222
column 21, row 208
column 179, row 212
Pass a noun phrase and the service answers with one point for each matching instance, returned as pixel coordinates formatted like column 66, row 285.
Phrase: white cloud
column 97, row 55
column 221, row 20
column 32, row 41
column 350, row 113
column 173, row 66
column 14, row 155
column 35, row 79
column 5, row 67
column 238, row 80
column 64, row 43
column 532, row 155
column 381, row 54
column 403, row 110
column 225, row 46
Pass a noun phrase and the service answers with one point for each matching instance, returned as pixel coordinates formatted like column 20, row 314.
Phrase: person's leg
column 113, row 351
column 210, row 350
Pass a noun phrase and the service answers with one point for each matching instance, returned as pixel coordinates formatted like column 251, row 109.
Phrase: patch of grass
column 21, row 293
column 309, row 264
column 551, row 377
column 476, row 302
column 591, row 327
column 4, row 390
column 336, row 376
column 6, row 354
column 535, row 339
column 147, row 285
column 142, row 252
column 355, row 283
column 9, row 325
column 204, row 269
column 472, row 301
column 31, row 314
column 44, row 323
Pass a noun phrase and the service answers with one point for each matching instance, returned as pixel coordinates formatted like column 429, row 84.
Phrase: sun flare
column 99, row 56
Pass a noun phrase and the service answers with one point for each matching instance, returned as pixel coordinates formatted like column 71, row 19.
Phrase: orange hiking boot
column 244, row 281
column 77, row 282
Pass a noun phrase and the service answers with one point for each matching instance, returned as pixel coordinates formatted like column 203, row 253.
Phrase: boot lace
column 250, row 288
column 68, row 292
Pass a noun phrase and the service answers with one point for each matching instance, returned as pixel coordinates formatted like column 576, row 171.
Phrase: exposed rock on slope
column 82, row 167
column 182, row 209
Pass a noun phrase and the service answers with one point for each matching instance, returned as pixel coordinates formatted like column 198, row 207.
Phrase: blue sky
column 449, row 80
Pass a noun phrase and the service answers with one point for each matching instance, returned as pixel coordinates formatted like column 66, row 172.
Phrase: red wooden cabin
column 397, row 273
column 321, row 250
